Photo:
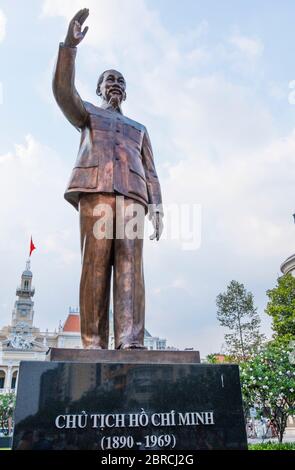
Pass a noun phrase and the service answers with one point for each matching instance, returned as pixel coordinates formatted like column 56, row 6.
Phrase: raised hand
column 75, row 33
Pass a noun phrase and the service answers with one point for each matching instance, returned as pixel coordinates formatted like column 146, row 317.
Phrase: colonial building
column 22, row 341
column 288, row 266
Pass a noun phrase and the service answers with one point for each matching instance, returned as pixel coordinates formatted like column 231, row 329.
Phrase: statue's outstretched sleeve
column 66, row 95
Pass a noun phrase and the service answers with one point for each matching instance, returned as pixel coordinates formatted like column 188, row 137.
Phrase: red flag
column 32, row 246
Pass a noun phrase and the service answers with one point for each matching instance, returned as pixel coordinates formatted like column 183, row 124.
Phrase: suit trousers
column 106, row 249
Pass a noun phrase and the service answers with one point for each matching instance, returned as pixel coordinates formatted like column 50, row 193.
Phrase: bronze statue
column 115, row 161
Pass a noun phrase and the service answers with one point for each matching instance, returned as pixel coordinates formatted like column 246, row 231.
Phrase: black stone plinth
column 116, row 406
column 129, row 357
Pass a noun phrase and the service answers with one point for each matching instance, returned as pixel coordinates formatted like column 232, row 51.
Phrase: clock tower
column 21, row 334
column 23, row 308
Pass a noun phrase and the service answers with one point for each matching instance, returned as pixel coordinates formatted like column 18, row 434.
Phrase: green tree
column 236, row 311
column 281, row 307
column 268, row 382
column 7, row 405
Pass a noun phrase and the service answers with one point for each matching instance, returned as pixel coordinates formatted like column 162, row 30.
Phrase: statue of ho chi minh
column 114, row 169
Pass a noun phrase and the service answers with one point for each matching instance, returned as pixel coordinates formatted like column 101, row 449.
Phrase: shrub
column 272, row 446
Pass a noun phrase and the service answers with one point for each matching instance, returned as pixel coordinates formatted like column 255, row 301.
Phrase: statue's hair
column 100, row 80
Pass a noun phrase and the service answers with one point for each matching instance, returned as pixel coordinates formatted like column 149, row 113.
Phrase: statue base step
column 137, row 356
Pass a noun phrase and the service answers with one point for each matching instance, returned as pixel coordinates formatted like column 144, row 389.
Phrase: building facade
column 22, row 341
column 288, row 266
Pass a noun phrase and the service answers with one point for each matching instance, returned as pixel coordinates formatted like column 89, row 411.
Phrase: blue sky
column 210, row 80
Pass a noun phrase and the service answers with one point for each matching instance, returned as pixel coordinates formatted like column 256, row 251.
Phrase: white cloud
column 3, row 21
column 278, row 91
column 33, row 179
column 247, row 192
column 250, row 47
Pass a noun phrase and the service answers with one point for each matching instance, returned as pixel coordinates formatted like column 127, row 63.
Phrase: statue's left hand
column 157, row 221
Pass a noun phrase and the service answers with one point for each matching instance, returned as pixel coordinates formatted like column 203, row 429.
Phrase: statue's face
column 113, row 87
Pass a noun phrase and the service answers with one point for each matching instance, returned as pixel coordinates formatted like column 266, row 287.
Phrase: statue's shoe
column 132, row 345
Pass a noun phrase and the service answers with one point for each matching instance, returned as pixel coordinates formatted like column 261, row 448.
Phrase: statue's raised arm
column 64, row 89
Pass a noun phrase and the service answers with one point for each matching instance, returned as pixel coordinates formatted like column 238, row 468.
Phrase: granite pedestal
column 116, row 405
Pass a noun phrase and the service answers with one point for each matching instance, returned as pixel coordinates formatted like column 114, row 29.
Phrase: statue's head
column 111, row 86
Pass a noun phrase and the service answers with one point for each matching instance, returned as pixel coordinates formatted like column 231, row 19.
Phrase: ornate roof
column 72, row 323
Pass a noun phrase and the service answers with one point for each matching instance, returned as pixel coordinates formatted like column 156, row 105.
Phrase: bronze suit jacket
column 115, row 154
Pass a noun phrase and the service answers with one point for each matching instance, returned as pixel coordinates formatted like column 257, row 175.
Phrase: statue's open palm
column 75, row 33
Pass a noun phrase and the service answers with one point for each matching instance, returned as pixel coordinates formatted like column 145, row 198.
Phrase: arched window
column 2, row 379
column 26, row 284
column 13, row 380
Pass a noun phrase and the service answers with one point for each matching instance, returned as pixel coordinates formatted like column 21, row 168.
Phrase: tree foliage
column 7, row 405
column 281, row 306
column 236, row 311
column 268, row 382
